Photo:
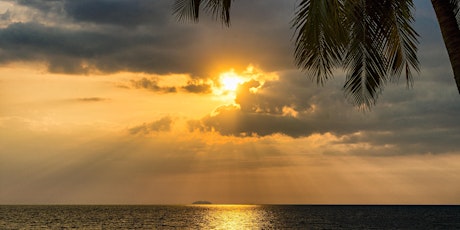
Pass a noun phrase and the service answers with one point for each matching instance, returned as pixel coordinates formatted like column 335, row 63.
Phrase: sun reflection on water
column 232, row 217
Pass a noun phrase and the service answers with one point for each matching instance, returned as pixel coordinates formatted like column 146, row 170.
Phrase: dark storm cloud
column 426, row 123
column 29, row 41
column 232, row 121
column 46, row 6
column 127, row 13
column 81, row 49
column 118, row 12
column 143, row 36
column 409, row 140
column 76, row 51
column 162, row 125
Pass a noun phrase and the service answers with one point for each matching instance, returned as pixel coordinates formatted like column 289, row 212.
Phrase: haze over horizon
column 116, row 102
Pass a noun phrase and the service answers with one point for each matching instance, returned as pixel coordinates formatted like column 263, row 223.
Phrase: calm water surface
column 229, row 217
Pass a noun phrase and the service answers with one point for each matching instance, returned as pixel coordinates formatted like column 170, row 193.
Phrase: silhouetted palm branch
column 320, row 37
column 364, row 60
column 372, row 40
column 401, row 39
column 188, row 10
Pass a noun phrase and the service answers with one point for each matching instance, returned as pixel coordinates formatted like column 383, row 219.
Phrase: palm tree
column 448, row 14
column 373, row 41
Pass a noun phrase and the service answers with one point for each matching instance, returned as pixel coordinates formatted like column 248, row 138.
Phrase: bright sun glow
column 228, row 84
column 230, row 81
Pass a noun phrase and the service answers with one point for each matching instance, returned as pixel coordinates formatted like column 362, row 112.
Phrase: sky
column 117, row 102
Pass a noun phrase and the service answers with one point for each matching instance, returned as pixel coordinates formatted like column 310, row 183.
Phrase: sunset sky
column 116, row 102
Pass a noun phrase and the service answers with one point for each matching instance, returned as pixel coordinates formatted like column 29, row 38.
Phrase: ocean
column 229, row 217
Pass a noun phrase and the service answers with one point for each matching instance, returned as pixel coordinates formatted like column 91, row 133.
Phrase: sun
column 230, row 81
column 226, row 86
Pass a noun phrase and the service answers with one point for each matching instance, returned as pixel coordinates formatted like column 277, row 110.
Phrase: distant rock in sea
column 202, row 202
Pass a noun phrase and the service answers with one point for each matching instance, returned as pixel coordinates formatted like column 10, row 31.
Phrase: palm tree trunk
column 450, row 33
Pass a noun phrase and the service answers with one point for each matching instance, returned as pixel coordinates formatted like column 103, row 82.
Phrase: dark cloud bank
column 138, row 36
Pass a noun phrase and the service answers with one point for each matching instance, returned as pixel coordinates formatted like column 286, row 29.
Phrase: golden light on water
column 233, row 217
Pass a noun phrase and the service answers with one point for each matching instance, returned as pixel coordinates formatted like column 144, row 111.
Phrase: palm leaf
column 188, row 10
column 320, row 38
column 383, row 46
column 220, row 9
column 400, row 39
column 364, row 61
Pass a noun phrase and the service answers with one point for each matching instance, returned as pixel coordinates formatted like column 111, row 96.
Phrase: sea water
column 229, row 217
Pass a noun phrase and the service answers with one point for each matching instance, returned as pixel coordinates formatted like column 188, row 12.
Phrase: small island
column 202, row 202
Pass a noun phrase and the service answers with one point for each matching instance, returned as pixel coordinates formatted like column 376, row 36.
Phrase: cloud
column 63, row 49
column 143, row 36
column 91, row 99
column 420, row 120
column 152, row 85
column 5, row 16
column 81, row 51
column 193, row 87
column 100, row 167
column 45, row 6
column 79, row 37
column 125, row 13
column 230, row 120
column 147, row 39
column 289, row 106
column 162, row 125
column 167, row 84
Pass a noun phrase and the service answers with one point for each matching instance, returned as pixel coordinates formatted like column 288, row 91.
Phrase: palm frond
column 399, row 38
column 382, row 47
column 364, row 61
column 187, row 10
column 220, row 9
column 320, row 38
